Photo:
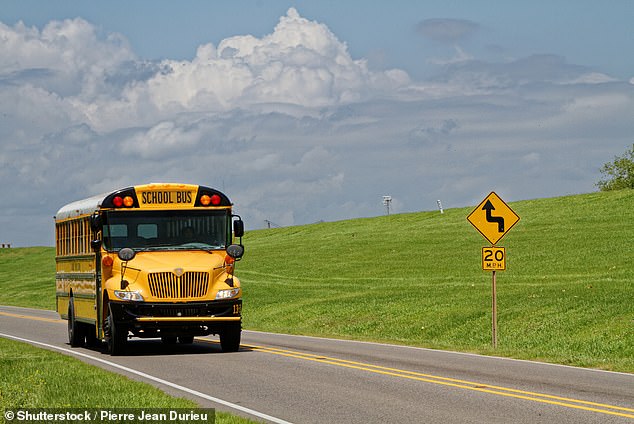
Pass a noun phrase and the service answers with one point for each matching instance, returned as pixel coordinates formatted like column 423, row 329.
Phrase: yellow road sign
column 493, row 218
column 493, row 258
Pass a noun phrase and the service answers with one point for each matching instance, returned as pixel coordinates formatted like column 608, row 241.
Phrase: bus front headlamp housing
column 228, row 293
column 133, row 296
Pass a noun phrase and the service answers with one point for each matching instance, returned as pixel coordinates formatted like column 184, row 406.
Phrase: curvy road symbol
column 488, row 207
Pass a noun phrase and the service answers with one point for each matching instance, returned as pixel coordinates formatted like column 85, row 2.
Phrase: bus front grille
column 166, row 285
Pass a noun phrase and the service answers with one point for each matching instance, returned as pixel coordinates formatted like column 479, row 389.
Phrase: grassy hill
column 567, row 295
column 416, row 279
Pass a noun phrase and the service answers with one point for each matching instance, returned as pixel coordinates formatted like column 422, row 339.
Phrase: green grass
column 37, row 378
column 27, row 277
column 416, row 279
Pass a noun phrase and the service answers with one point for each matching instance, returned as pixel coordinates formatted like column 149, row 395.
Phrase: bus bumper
column 200, row 318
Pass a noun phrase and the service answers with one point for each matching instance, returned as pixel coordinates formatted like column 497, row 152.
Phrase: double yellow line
column 33, row 318
column 453, row 382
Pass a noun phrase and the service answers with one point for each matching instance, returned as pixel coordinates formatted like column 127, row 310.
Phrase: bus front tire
column 76, row 333
column 230, row 338
column 116, row 336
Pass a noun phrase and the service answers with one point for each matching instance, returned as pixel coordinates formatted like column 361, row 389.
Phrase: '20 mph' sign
column 493, row 258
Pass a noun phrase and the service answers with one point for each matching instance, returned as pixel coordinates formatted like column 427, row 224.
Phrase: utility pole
column 387, row 201
column 270, row 224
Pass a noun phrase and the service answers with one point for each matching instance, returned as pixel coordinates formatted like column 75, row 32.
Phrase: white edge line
column 155, row 379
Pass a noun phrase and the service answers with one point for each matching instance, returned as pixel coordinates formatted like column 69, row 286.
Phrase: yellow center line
column 452, row 382
column 31, row 317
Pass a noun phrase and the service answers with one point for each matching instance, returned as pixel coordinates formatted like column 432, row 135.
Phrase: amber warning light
column 207, row 200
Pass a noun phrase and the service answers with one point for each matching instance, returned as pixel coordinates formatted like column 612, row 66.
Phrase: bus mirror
column 238, row 228
column 95, row 221
column 126, row 254
column 95, row 244
column 235, row 251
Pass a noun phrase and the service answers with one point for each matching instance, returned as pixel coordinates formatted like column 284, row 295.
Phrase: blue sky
column 306, row 111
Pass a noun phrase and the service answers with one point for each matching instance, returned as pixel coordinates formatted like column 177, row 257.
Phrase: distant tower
column 387, row 201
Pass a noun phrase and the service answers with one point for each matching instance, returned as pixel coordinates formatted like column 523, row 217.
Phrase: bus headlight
column 228, row 294
column 133, row 296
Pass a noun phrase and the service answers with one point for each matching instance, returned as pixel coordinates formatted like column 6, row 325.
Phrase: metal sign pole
column 494, row 320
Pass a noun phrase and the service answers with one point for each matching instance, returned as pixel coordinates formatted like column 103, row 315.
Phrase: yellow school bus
column 154, row 260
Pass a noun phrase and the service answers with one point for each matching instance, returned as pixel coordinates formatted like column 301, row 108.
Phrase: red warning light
column 215, row 200
column 117, row 201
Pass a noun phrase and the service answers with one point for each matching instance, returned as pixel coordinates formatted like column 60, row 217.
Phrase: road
column 312, row 380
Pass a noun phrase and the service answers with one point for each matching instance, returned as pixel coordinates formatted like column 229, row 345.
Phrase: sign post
column 493, row 219
column 494, row 313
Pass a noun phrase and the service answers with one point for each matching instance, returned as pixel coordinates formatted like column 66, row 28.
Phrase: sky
column 308, row 111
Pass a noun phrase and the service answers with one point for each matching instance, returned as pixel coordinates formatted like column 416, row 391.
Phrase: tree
column 619, row 174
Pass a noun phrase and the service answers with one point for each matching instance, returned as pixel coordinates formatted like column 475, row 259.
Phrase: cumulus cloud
column 290, row 125
column 300, row 63
column 163, row 139
column 67, row 57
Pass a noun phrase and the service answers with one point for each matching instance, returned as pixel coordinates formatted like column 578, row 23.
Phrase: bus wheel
column 170, row 340
column 91, row 336
column 185, row 339
column 76, row 334
column 230, row 338
column 116, row 336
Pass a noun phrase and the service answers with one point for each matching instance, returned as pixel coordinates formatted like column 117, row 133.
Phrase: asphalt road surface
column 282, row 378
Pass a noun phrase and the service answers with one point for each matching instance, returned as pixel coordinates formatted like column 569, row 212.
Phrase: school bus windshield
column 166, row 230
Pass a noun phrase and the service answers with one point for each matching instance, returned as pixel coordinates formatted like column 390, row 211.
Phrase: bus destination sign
column 161, row 198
